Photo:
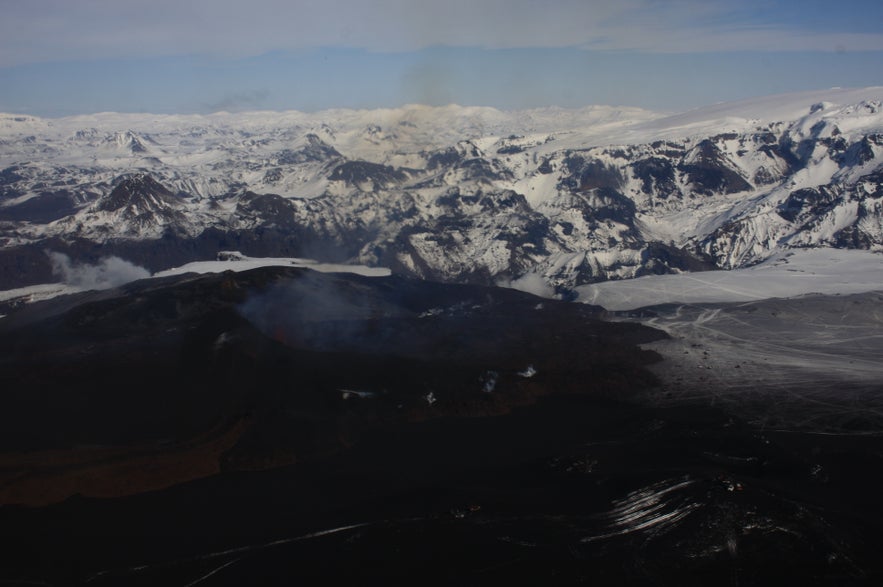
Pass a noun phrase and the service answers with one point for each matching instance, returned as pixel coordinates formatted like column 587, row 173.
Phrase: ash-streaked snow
column 809, row 363
column 793, row 343
column 788, row 274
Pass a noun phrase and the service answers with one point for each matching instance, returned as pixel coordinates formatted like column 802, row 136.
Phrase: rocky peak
column 139, row 190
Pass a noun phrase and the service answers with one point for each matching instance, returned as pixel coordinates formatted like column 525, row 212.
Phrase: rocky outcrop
column 482, row 209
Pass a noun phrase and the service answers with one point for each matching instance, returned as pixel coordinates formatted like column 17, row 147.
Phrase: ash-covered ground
column 280, row 426
column 811, row 363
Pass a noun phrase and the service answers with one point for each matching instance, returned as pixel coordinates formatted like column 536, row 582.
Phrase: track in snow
column 809, row 363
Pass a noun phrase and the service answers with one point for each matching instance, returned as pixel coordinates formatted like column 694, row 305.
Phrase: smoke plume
column 320, row 311
column 107, row 273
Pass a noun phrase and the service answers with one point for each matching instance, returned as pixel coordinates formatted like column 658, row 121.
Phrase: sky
column 63, row 57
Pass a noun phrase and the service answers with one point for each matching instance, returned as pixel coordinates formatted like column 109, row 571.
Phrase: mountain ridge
column 455, row 193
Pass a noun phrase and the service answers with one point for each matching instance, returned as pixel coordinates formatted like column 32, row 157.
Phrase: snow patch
column 532, row 283
column 235, row 261
column 528, row 373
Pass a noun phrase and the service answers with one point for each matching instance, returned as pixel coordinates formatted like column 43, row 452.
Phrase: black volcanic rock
column 657, row 175
column 267, row 208
column 44, row 208
column 587, row 174
column 708, row 170
column 8, row 178
column 184, row 353
column 138, row 190
column 292, row 426
column 444, row 158
column 357, row 172
column 316, row 150
column 807, row 203
column 609, row 204
column 662, row 258
column 481, row 169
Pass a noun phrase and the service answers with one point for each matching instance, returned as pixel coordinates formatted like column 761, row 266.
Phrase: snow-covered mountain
column 561, row 197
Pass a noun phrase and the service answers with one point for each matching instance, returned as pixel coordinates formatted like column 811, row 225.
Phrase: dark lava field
column 282, row 426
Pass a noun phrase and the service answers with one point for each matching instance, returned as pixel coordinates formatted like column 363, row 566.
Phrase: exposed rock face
column 464, row 202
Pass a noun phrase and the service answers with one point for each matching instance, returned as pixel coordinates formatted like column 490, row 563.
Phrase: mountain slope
column 452, row 193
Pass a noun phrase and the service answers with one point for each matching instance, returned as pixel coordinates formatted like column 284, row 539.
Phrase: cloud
column 107, row 273
column 59, row 30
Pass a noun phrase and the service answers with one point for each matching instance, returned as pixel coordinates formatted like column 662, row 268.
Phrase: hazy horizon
column 62, row 58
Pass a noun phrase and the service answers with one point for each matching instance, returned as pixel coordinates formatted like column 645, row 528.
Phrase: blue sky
column 61, row 57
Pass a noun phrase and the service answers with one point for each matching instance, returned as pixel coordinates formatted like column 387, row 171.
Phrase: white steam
column 108, row 272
